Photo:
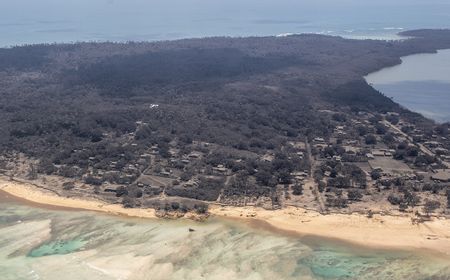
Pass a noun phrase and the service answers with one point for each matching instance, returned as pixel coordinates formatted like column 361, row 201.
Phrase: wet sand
column 378, row 232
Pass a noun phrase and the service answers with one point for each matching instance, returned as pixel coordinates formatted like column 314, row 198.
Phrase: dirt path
column 310, row 182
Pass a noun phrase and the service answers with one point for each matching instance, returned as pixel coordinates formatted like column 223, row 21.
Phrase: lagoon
column 421, row 83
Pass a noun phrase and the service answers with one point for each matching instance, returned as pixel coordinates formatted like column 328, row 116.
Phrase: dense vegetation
column 78, row 109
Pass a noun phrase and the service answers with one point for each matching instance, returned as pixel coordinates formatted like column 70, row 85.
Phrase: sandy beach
column 382, row 232
column 39, row 196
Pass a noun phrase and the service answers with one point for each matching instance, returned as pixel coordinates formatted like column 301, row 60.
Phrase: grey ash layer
column 242, row 121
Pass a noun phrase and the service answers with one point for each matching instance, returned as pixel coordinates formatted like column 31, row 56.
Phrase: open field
column 390, row 165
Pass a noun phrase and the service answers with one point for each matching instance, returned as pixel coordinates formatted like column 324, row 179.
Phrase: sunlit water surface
column 38, row 243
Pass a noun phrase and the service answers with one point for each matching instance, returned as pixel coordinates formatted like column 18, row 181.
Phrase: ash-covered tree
column 354, row 195
column 430, row 206
column 297, row 189
column 371, row 139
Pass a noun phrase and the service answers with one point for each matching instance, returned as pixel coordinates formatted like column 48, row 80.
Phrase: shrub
column 68, row 185
column 354, row 195
column 297, row 189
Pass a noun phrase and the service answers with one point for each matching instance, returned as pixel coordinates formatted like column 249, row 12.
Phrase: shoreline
column 379, row 232
column 38, row 196
column 383, row 34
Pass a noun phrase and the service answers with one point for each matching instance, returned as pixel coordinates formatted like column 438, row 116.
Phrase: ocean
column 38, row 243
column 48, row 21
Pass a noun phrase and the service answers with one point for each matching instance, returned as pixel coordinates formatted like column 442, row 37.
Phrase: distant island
column 183, row 126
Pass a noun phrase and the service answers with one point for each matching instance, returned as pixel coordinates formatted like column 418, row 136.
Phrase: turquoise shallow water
column 59, row 247
column 48, row 244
